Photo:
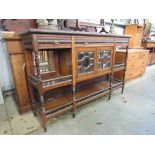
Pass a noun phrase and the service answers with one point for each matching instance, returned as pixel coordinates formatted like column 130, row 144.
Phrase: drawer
column 143, row 55
column 134, row 73
column 153, row 58
column 132, row 56
column 53, row 41
column 149, row 59
column 135, row 63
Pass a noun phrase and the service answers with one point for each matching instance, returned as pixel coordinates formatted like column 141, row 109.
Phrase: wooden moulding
column 17, row 59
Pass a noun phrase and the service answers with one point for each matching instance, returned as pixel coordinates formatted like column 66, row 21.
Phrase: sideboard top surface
column 71, row 33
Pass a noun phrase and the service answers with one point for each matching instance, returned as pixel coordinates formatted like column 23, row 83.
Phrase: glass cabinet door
column 85, row 58
column 104, row 58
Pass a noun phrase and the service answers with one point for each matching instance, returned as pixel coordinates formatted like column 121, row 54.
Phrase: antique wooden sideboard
column 68, row 69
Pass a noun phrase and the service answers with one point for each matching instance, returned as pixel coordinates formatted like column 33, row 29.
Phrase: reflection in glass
column 104, row 59
column 85, row 62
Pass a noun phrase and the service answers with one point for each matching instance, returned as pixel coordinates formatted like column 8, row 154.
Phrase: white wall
column 6, row 79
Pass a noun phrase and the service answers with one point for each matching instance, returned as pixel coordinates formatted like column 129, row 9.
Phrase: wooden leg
column 44, row 118
column 123, row 82
column 110, row 80
column 44, row 121
column 74, row 110
column 109, row 96
column 74, row 103
column 122, row 89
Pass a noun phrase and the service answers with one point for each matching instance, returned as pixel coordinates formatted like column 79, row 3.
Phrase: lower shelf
column 83, row 94
column 119, row 67
column 117, row 84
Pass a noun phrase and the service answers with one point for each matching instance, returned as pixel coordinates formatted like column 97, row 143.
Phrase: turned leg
column 122, row 89
column 44, row 118
column 110, row 80
column 74, row 103
column 109, row 96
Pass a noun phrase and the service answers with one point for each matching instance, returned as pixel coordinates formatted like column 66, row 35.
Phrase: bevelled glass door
column 104, row 58
column 85, row 61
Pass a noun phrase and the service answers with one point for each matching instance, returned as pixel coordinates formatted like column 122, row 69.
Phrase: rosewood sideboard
column 68, row 69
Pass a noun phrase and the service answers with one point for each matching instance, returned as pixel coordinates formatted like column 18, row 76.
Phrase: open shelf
column 56, row 81
column 119, row 66
column 116, row 84
column 85, row 93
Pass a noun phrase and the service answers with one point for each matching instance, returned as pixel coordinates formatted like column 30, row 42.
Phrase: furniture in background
column 136, row 63
column 17, row 60
column 78, row 25
column 68, row 69
column 150, row 45
column 136, row 32
column 17, row 25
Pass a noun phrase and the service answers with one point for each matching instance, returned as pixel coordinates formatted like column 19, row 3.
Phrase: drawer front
column 53, row 41
column 133, row 56
column 135, row 63
column 134, row 73
column 143, row 55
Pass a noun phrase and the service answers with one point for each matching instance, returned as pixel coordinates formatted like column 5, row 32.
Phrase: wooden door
column 104, row 59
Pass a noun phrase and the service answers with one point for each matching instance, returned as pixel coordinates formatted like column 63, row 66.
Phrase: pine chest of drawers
column 135, row 64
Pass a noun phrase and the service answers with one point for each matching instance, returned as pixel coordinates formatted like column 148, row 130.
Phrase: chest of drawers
column 136, row 62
